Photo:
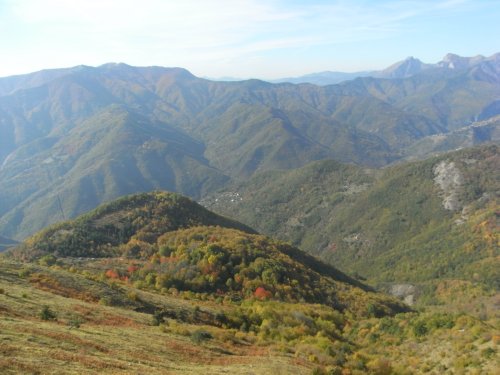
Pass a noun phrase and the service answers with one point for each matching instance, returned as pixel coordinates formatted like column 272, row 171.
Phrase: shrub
column 133, row 296
column 380, row 366
column 139, row 284
column 488, row 352
column 441, row 321
column 74, row 322
column 158, row 318
column 200, row 335
column 221, row 318
column 112, row 274
column 336, row 370
column 24, row 272
column 105, row 301
column 262, row 294
column 47, row 314
column 47, row 260
column 420, row 328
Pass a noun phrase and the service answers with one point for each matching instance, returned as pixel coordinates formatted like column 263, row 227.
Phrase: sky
column 264, row 39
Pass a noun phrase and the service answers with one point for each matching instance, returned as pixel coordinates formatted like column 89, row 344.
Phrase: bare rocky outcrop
column 406, row 292
column 450, row 180
column 350, row 188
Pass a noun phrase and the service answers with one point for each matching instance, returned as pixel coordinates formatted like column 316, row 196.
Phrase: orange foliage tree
column 262, row 293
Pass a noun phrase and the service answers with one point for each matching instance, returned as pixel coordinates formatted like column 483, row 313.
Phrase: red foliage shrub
column 112, row 274
column 132, row 268
column 261, row 293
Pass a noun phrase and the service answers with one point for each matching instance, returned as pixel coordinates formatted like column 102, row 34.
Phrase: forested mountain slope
column 73, row 138
column 413, row 222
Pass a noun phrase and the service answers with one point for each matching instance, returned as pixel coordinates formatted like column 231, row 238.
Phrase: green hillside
column 71, row 139
column 208, row 258
column 112, row 154
column 155, row 283
column 414, row 222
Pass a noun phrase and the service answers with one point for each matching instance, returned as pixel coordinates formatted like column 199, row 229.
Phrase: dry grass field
column 52, row 321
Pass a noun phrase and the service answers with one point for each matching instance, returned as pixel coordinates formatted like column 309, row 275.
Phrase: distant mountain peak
column 113, row 65
column 454, row 61
column 450, row 57
column 403, row 69
column 176, row 72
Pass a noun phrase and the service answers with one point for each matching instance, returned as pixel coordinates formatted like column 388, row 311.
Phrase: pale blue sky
column 243, row 38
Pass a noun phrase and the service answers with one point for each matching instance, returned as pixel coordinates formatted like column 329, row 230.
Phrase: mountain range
column 402, row 69
column 74, row 138
column 389, row 185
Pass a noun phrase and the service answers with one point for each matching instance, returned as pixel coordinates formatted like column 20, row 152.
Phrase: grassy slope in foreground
column 68, row 319
column 87, row 337
column 207, row 299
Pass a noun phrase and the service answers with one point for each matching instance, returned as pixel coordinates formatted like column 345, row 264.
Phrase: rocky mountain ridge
column 402, row 69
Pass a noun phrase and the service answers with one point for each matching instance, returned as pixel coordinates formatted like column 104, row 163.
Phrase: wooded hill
column 178, row 244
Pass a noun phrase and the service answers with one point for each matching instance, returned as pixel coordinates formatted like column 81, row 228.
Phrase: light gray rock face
column 450, row 180
column 406, row 292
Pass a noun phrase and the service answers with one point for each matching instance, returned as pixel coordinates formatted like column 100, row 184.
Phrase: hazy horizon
column 243, row 39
